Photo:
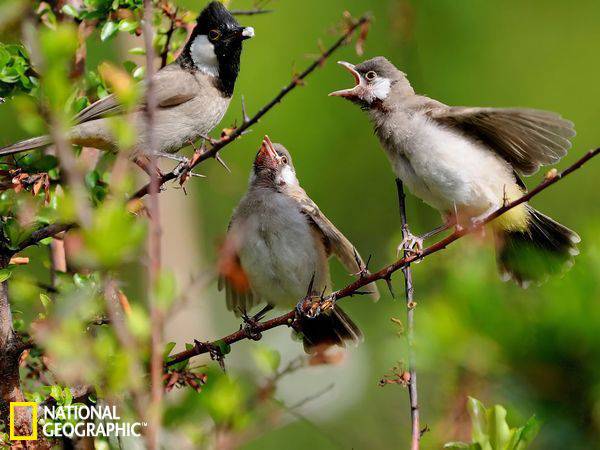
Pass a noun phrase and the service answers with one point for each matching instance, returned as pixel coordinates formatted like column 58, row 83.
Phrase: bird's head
column 376, row 81
column 215, row 45
column 273, row 166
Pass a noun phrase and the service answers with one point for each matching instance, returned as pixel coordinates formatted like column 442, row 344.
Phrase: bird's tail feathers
column 545, row 247
column 27, row 144
column 327, row 330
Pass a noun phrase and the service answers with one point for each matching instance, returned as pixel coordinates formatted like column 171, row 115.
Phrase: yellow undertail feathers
column 517, row 218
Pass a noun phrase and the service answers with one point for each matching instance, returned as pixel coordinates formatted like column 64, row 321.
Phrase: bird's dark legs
column 250, row 323
column 262, row 313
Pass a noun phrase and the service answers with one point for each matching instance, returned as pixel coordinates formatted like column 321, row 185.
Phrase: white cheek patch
column 288, row 176
column 380, row 88
column 203, row 55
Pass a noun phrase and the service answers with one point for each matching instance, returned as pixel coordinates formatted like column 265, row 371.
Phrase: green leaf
column 108, row 30
column 168, row 349
column 5, row 275
column 462, row 446
column 128, row 25
column 137, row 51
column 223, row 346
column 478, row 420
column 56, row 392
column 498, row 429
column 525, row 435
column 70, row 10
column 68, row 396
column 46, row 301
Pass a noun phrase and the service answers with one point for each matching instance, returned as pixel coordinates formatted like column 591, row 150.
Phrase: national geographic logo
column 34, row 412
column 73, row 421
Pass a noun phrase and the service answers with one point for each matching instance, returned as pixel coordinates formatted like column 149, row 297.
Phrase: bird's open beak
column 267, row 156
column 357, row 89
column 242, row 33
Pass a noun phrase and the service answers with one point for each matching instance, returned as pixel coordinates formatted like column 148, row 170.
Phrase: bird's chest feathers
column 279, row 253
column 281, row 230
column 441, row 166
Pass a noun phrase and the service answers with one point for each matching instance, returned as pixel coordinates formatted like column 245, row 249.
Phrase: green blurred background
column 534, row 351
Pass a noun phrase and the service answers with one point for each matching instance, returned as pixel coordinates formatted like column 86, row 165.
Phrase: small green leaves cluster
column 490, row 431
column 16, row 75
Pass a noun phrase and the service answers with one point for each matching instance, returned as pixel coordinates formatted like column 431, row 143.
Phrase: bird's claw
column 316, row 308
column 411, row 244
column 250, row 327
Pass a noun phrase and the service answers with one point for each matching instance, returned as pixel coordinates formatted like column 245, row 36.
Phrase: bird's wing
column 171, row 87
column 232, row 277
column 526, row 138
column 335, row 242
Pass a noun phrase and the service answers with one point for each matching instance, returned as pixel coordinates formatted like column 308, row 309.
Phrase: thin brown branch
column 43, row 233
column 386, row 272
column 172, row 27
column 247, row 123
column 250, row 12
column 410, row 319
column 154, row 239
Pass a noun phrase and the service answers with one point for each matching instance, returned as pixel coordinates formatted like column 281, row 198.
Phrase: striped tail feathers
column 25, row 145
column 543, row 248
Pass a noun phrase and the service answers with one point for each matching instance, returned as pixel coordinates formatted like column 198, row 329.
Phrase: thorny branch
column 213, row 152
column 385, row 273
column 410, row 319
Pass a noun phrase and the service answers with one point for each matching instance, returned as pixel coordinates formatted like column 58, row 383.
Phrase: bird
column 277, row 248
column 467, row 162
column 192, row 94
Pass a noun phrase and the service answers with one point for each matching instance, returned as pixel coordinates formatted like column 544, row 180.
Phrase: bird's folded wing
column 171, row 87
column 333, row 239
column 232, row 277
column 526, row 138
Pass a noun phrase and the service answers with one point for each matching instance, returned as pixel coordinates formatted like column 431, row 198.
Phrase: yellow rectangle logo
column 34, row 413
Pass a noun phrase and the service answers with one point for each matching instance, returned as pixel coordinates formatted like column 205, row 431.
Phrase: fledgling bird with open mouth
column 192, row 93
column 467, row 161
column 278, row 244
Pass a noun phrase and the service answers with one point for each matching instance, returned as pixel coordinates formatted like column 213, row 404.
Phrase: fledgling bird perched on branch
column 466, row 162
column 192, row 93
column 278, row 244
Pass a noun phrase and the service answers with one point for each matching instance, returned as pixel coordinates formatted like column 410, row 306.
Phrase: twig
column 410, row 319
column 43, row 233
column 165, row 52
column 386, row 272
column 250, row 12
column 154, row 238
column 246, row 124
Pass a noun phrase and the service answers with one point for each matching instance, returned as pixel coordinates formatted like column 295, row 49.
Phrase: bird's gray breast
column 279, row 253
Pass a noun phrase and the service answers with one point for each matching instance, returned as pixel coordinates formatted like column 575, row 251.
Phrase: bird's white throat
column 288, row 176
column 203, row 55
column 381, row 88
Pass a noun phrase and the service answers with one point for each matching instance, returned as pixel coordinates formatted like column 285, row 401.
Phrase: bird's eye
column 370, row 75
column 214, row 35
column 284, row 160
